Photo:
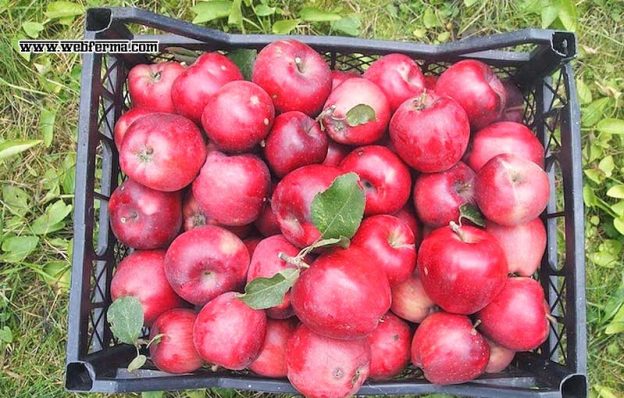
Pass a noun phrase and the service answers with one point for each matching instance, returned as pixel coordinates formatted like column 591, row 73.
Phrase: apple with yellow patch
column 205, row 262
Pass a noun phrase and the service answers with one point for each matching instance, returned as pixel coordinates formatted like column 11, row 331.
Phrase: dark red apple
column 238, row 116
column 385, row 178
column 461, row 268
column 342, row 295
column 232, row 189
column 125, row 121
column 267, row 223
column 500, row 357
column 438, row 196
column 192, row 89
column 195, row 217
column 141, row 275
column 251, row 244
column 504, row 137
column 321, row 367
column 295, row 140
column 272, row 359
column 522, row 244
column 149, row 86
column 408, row 216
column 514, row 104
column 410, row 301
column 353, row 92
column 511, row 190
column 175, row 352
column 144, row 218
column 339, row 76
column 296, row 77
column 449, row 350
column 518, row 317
column 398, row 76
column 390, row 347
column 228, row 333
column 430, row 132
column 265, row 263
column 430, row 82
column 204, row 262
column 293, row 197
column 162, row 151
column 389, row 244
column 335, row 154
column 476, row 88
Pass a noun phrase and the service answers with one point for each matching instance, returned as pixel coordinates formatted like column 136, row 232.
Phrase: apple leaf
column 360, row 114
column 125, row 316
column 244, row 59
column 471, row 213
column 337, row 211
column 137, row 363
column 262, row 293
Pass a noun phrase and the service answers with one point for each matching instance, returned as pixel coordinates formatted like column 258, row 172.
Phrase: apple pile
column 228, row 203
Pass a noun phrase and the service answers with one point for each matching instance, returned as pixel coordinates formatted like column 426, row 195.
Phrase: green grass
column 33, row 307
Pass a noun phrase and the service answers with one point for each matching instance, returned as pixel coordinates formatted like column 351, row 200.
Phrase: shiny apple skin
column 149, row 86
column 390, row 347
column 175, row 352
column 125, row 121
column 410, row 301
column 523, row 244
column 272, row 359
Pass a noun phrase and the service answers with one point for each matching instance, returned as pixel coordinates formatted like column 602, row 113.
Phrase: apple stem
column 420, row 101
column 298, row 63
column 296, row 260
column 327, row 112
column 457, row 229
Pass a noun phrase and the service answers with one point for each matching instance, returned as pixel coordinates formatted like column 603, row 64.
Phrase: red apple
column 175, row 352
column 430, row 133
column 438, row 196
column 500, row 357
column 296, row 77
column 295, row 140
column 267, row 223
column 398, row 76
column 511, row 190
column 522, row 244
column 228, row 333
column 514, row 106
column 144, row 218
column 410, row 301
column 204, row 262
column 272, row 359
column 504, row 137
column 518, row 317
column 461, row 268
column 293, row 197
column 406, row 214
column 149, row 86
column 192, row 89
column 265, row 263
column 389, row 244
column 339, row 76
column 125, row 121
column 390, row 347
column 342, row 295
column 321, row 367
column 476, row 88
column 349, row 94
column 430, row 82
column 238, row 116
column 449, row 350
column 251, row 244
column 385, row 178
column 162, row 151
column 335, row 154
column 141, row 275
column 195, row 217
column 232, row 189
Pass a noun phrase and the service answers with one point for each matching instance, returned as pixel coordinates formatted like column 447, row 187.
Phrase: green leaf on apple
column 471, row 213
column 125, row 316
column 360, row 114
column 262, row 293
column 337, row 212
column 244, row 59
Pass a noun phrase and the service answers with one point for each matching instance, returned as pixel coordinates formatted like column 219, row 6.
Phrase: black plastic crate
column 537, row 60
